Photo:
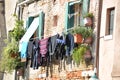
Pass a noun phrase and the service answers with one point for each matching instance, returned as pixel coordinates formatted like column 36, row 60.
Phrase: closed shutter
column 41, row 25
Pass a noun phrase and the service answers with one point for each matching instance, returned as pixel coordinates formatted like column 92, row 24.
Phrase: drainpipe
column 98, row 36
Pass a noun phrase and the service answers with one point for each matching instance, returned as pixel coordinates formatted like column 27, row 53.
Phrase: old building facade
column 53, row 18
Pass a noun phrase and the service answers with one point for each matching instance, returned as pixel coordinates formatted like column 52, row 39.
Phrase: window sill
column 108, row 37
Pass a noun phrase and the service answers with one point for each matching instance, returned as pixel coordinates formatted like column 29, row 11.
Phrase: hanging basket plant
column 78, row 53
column 88, row 19
column 88, row 37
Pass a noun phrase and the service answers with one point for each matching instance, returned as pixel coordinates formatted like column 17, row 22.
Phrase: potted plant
column 87, row 57
column 88, row 19
column 88, row 37
column 78, row 53
column 78, row 33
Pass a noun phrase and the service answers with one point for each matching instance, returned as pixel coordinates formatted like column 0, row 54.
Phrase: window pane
column 111, row 22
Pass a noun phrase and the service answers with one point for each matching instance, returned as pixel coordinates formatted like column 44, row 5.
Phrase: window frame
column 109, row 25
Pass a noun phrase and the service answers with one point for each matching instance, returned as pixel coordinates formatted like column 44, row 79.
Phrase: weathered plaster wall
column 107, row 48
column 116, row 62
column 9, row 11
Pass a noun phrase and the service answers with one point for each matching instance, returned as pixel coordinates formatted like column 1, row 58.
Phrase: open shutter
column 41, row 25
column 85, row 9
column 66, row 16
column 29, row 21
column 69, row 18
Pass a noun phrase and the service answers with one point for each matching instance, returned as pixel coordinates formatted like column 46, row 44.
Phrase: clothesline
column 49, row 35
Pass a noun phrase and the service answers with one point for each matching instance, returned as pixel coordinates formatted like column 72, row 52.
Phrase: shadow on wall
column 3, row 31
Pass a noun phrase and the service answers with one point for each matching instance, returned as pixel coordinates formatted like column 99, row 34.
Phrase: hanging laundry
column 23, row 51
column 60, row 48
column 52, row 45
column 69, row 44
column 43, row 54
column 35, row 54
column 43, row 44
column 30, row 49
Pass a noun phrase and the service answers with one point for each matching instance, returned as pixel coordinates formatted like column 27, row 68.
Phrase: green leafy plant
column 79, row 30
column 88, row 15
column 78, row 53
column 10, row 55
column 84, row 31
column 88, row 32
column 18, row 30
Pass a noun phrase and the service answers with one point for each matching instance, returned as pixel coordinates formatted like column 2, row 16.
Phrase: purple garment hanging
column 43, row 43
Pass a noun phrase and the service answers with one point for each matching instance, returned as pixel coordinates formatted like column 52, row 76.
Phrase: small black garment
column 60, row 48
column 52, row 43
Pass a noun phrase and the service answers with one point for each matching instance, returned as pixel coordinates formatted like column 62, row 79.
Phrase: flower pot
column 20, row 72
column 87, row 57
column 78, row 38
column 87, row 54
column 88, row 40
column 14, row 55
column 88, row 21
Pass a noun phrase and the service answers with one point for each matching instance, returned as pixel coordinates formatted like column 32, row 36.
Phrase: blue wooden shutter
column 41, row 25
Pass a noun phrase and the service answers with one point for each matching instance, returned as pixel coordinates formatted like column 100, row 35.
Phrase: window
column 55, row 19
column 110, row 21
column 72, row 16
column 77, row 14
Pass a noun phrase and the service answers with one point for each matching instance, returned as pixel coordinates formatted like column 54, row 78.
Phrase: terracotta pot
column 88, row 40
column 88, row 55
column 78, row 38
column 14, row 55
column 20, row 72
column 88, row 21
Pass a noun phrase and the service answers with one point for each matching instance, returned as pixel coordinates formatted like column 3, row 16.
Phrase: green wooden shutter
column 41, row 25
column 69, row 21
column 66, row 15
column 29, row 21
column 71, row 18
column 85, row 8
